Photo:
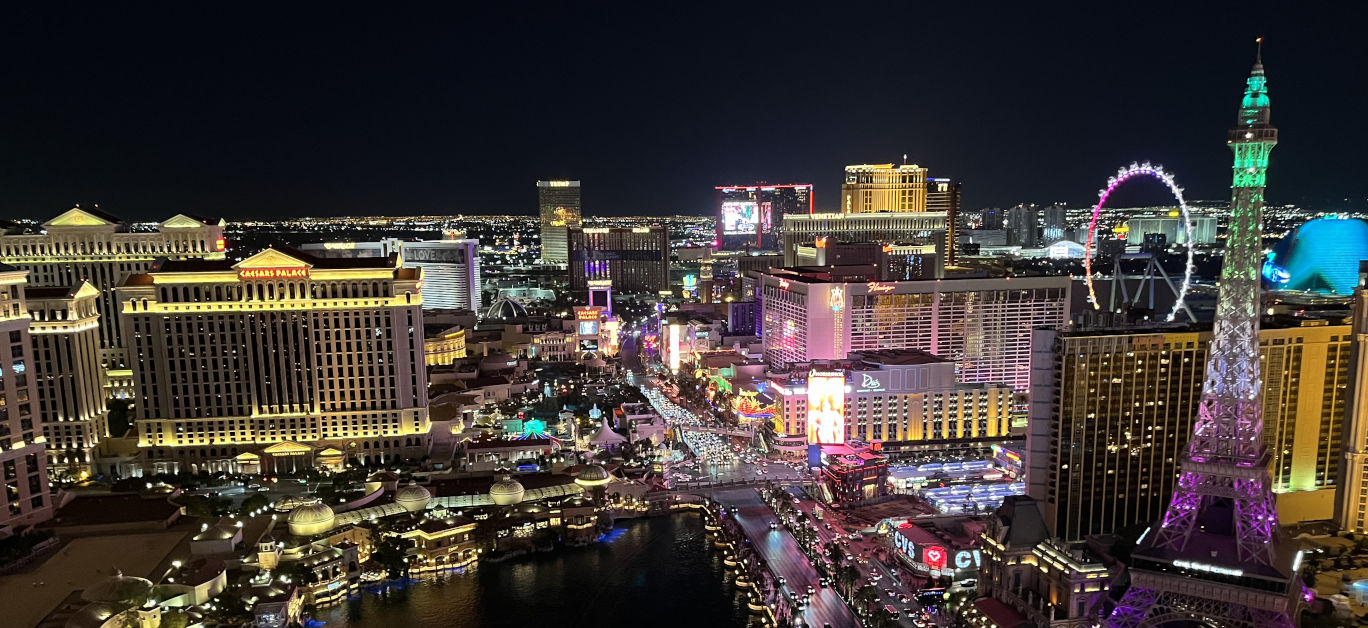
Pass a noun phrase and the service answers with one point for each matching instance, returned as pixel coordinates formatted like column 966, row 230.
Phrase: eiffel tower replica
column 1218, row 558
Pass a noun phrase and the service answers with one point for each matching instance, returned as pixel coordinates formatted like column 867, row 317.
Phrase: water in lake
column 660, row 571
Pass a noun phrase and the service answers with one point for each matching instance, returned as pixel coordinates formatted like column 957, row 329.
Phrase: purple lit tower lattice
column 1218, row 557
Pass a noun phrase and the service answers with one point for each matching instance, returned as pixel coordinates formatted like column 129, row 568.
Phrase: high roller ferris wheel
column 1145, row 170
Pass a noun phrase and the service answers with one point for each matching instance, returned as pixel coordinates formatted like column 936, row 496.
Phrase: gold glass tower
column 872, row 188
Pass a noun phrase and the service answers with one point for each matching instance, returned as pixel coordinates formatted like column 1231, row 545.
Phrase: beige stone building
column 274, row 360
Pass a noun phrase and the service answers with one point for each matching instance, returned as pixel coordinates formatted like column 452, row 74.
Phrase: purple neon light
column 1123, row 175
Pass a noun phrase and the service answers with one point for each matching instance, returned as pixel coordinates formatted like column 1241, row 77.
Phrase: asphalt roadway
column 785, row 559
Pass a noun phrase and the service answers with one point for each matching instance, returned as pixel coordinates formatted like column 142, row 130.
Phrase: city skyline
column 317, row 117
column 839, row 391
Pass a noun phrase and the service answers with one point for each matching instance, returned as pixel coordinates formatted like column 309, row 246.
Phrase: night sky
column 330, row 110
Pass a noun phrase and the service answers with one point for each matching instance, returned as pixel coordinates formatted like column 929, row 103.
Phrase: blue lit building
column 1320, row 256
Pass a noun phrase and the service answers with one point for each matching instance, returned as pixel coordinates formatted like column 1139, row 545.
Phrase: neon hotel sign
column 294, row 272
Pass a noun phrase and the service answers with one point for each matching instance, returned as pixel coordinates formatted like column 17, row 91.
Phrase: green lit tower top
column 1217, row 557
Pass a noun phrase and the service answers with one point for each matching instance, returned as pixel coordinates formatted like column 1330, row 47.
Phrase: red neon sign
column 273, row 273
column 783, row 284
column 934, row 557
column 586, row 315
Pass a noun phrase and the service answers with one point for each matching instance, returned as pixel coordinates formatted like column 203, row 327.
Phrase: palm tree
column 836, row 553
column 848, row 576
column 866, row 597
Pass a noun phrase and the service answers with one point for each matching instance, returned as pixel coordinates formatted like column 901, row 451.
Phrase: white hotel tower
column 89, row 245
column 282, row 360
column 982, row 325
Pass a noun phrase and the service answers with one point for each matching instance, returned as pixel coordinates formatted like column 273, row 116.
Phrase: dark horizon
column 152, row 111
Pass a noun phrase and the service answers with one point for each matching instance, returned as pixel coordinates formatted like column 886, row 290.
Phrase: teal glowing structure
column 1320, row 256
column 1218, row 557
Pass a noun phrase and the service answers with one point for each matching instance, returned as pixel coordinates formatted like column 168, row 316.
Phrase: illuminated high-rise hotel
column 90, row 245
column 451, row 266
column 943, row 196
column 23, row 465
column 752, row 216
column 558, row 206
column 626, row 260
column 70, row 380
column 1351, row 507
column 277, row 360
column 900, row 397
column 1112, row 411
column 883, row 188
column 982, row 325
column 930, row 228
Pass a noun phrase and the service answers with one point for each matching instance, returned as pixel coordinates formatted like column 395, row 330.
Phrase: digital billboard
column 588, row 328
column 934, row 557
column 740, row 217
column 672, row 345
column 826, row 408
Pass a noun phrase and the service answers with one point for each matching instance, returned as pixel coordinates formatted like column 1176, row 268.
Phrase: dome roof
column 291, row 502
column 592, row 475
column 310, row 519
column 413, row 497
column 504, row 309
column 117, row 588
column 506, row 492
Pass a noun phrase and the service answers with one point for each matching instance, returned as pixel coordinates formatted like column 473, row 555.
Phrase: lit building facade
column 23, row 465
column 1023, row 226
column 90, row 245
column 1112, row 410
column 883, row 188
column 445, row 347
column 633, row 260
column 897, row 396
column 750, row 216
column 1171, row 227
column 1351, row 507
column 558, row 207
column 943, row 196
column 853, row 472
column 982, row 325
column 70, row 380
column 883, row 227
column 1029, row 578
column 276, row 355
column 451, row 266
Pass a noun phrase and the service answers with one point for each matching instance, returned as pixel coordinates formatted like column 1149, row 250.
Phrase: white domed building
column 506, row 491
column 413, row 498
column 592, row 475
column 310, row 519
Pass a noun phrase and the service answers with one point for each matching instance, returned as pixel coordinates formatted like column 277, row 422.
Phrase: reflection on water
column 648, row 572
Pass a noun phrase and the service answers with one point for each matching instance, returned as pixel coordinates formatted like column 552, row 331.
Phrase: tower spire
column 1218, row 555
column 1258, row 55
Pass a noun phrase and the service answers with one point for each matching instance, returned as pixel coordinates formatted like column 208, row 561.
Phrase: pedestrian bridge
column 739, row 432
